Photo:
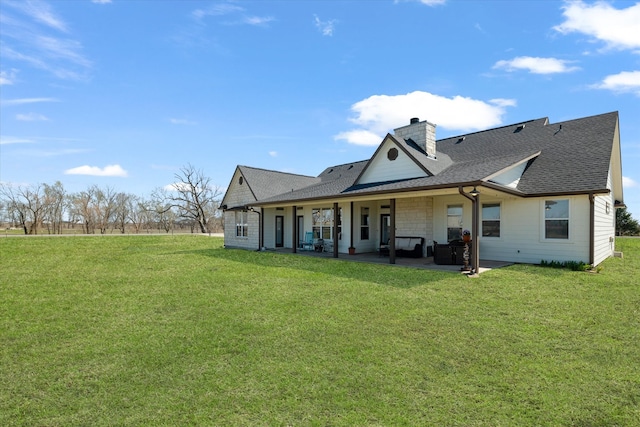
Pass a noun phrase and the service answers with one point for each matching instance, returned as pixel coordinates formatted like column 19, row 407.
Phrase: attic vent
column 519, row 128
column 462, row 138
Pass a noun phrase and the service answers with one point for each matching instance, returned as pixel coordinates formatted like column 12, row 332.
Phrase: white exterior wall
column 604, row 225
column 440, row 204
column 270, row 227
column 522, row 232
column 382, row 169
column 522, row 229
column 510, row 178
column 373, row 243
column 604, row 230
column 253, row 226
column 240, row 195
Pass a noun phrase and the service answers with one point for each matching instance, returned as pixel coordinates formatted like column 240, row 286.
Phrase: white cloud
column 536, row 65
column 27, row 38
column 177, row 186
column 39, row 11
column 217, row 10
column 427, row 2
column 101, row 1
column 31, row 117
column 6, row 140
column 628, row 182
column 617, row 28
column 273, row 153
column 624, row 82
column 359, row 137
column 224, row 9
column 325, row 27
column 60, row 49
column 258, row 20
column 110, row 170
column 379, row 114
column 8, row 77
column 182, row 122
column 22, row 101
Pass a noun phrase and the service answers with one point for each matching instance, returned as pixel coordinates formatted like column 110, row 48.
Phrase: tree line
column 192, row 204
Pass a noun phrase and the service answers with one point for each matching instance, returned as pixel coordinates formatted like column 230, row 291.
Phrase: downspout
column 260, row 224
column 475, row 246
column 592, row 228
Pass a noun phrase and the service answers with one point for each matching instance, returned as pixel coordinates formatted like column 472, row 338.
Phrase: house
column 528, row 192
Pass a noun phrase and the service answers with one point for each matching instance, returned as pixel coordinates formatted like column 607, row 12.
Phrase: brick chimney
column 422, row 133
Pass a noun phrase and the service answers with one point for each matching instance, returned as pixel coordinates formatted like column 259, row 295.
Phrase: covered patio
column 375, row 258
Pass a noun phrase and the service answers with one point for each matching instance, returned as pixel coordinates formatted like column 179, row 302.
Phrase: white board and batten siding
column 382, row 169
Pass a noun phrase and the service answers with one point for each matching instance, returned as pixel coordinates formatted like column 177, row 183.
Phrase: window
column 556, row 219
column 454, row 222
column 241, row 223
column 364, row 223
column 322, row 223
column 491, row 220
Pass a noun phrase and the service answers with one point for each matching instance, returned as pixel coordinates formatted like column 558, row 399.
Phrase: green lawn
column 176, row 330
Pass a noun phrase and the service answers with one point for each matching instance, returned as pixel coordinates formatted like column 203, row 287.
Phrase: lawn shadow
column 382, row 274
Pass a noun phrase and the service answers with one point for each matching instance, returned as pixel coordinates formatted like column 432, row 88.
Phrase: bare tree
column 81, row 207
column 26, row 204
column 136, row 213
column 104, row 207
column 195, row 197
column 55, row 197
column 122, row 211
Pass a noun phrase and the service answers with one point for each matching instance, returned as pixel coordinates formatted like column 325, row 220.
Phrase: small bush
column 572, row 265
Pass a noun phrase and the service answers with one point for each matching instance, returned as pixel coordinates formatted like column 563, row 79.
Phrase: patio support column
column 261, row 226
column 474, row 196
column 475, row 245
column 392, row 231
column 336, row 215
column 294, row 221
column 351, row 226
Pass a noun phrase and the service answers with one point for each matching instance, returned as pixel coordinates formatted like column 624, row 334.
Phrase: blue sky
column 124, row 93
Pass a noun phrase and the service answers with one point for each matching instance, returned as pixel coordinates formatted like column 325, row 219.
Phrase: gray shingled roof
column 268, row 183
column 568, row 157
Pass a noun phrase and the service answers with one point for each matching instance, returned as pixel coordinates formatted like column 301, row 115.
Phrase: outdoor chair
column 307, row 243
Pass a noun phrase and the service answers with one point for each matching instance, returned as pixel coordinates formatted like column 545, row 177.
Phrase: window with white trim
column 242, row 224
column 322, row 223
column 491, row 220
column 556, row 219
column 364, row 223
column 454, row 222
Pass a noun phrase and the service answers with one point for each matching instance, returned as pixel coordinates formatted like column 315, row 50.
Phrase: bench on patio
column 410, row 247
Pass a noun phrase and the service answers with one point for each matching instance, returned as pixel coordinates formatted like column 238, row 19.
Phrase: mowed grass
column 177, row 330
